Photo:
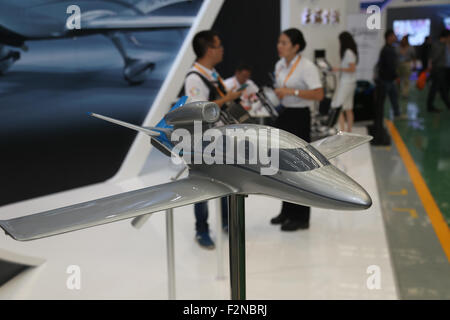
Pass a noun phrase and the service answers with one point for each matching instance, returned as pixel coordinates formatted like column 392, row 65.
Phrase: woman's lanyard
column 294, row 66
column 208, row 77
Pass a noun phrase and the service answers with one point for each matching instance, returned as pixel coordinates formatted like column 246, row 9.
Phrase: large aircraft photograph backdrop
column 52, row 76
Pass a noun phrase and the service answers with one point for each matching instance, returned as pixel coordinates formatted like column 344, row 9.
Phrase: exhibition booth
column 96, row 205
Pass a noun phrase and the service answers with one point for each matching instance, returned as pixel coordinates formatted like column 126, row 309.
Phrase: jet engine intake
column 204, row 111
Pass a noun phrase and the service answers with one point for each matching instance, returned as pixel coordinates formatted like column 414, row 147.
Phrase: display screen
column 49, row 85
column 417, row 30
column 447, row 23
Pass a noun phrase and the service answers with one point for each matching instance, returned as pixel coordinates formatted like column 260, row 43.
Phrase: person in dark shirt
column 425, row 50
column 387, row 70
column 438, row 63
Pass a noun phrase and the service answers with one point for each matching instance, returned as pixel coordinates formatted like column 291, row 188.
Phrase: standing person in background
column 385, row 75
column 241, row 79
column 297, row 85
column 203, row 83
column 438, row 75
column 347, row 80
column 387, row 72
column 406, row 63
column 425, row 50
column 447, row 64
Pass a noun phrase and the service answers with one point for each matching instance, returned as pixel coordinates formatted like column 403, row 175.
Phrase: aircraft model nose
column 344, row 189
column 361, row 198
column 335, row 189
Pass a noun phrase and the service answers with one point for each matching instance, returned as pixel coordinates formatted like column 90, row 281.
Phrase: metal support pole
column 139, row 221
column 170, row 253
column 220, row 262
column 171, row 246
column 237, row 246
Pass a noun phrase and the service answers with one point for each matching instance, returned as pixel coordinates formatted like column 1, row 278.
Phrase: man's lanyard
column 291, row 71
column 236, row 83
column 196, row 66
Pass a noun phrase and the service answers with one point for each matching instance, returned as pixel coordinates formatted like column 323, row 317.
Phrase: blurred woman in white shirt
column 298, row 85
column 347, row 80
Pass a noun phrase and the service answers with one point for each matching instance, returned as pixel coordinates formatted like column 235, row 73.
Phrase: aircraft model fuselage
column 300, row 175
column 324, row 187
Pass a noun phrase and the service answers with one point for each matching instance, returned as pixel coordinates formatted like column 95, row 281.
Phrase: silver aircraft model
column 32, row 20
column 304, row 176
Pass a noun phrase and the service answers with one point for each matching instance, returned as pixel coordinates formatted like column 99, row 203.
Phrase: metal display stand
column 236, row 204
column 236, row 223
column 220, row 262
column 171, row 246
column 170, row 253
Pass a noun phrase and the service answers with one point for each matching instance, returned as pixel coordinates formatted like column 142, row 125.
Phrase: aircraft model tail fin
column 164, row 138
column 145, row 130
column 163, row 124
column 342, row 142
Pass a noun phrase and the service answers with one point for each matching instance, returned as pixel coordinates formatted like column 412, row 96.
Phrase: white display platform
column 117, row 261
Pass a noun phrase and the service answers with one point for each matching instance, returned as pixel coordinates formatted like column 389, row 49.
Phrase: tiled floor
column 417, row 252
column 427, row 136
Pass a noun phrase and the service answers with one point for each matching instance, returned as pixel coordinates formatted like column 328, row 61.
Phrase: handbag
column 421, row 80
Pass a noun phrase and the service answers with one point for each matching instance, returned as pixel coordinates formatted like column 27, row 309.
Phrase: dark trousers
column 296, row 121
column 380, row 96
column 439, row 82
column 201, row 215
column 390, row 89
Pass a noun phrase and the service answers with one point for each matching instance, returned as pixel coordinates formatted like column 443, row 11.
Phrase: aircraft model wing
column 335, row 145
column 136, row 23
column 117, row 207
